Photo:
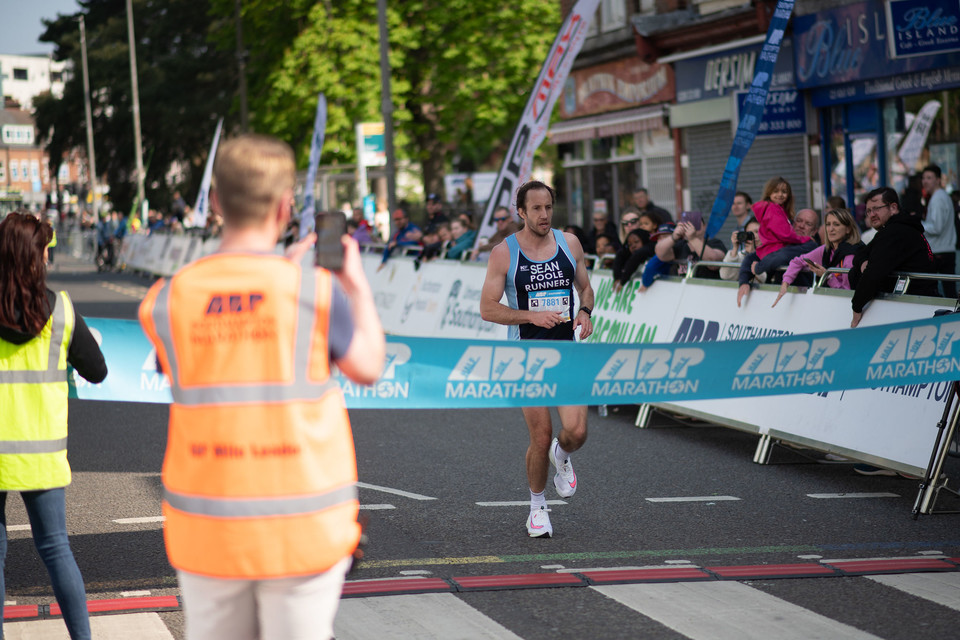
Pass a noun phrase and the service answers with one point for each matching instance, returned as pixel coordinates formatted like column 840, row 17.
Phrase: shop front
column 884, row 78
column 711, row 85
column 613, row 138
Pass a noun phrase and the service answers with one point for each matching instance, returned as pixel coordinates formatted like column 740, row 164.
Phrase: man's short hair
column 934, row 169
column 250, row 175
column 889, row 195
column 746, row 197
column 532, row 185
column 641, row 189
column 499, row 209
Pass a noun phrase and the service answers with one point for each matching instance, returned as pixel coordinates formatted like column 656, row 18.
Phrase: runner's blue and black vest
column 541, row 286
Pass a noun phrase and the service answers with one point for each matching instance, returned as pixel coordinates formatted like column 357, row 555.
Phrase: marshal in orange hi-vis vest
column 260, row 471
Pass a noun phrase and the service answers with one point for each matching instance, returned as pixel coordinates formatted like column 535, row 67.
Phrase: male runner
column 537, row 268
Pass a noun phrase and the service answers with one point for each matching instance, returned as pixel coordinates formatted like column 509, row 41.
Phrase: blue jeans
column 47, row 511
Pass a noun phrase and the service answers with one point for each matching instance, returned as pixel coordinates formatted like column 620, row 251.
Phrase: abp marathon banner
column 447, row 373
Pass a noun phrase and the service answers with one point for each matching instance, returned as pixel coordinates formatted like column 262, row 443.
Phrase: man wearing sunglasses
column 506, row 226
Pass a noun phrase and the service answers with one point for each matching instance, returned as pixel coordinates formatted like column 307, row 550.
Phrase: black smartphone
column 328, row 252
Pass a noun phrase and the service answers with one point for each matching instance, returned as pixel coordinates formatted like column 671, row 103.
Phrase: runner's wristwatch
column 586, row 310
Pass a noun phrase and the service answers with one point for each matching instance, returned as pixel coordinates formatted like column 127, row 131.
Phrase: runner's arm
column 581, row 281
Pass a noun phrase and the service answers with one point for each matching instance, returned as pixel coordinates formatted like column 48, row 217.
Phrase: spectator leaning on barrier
column 636, row 252
column 405, row 234
column 260, row 471
column 898, row 246
column 842, row 241
column 805, row 223
column 939, row 228
column 463, row 239
column 604, row 250
column 688, row 242
column 40, row 334
column 506, row 226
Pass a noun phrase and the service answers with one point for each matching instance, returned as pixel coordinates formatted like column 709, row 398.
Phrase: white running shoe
column 538, row 523
column 565, row 480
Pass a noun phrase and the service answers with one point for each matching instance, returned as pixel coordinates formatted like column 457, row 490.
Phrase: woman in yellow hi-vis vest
column 39, row 334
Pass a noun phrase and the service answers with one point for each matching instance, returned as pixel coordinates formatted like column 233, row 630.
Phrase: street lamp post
column 91, row 157
column 137, row 142
column 386, row 106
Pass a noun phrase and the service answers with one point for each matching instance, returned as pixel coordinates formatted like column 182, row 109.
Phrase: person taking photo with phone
column 843, row 240
column 260, row 472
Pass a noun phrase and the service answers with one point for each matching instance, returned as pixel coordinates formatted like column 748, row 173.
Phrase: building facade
column 22, row 78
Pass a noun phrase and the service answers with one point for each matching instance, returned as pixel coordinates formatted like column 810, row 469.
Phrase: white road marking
column 376, row 507
column 139, row 520
column 551, row 567
column 515, row 503
column 827, row 496
column 811, row 556
column 930, row 553
column 833, row 560
column 134, row 594
column 415, row 572
column 942, row 588
column 18, row 527
column 728, row 611
column 142, row 626
column 693, row 499
column 422, row 616
column 676, row 562
column 396, row 492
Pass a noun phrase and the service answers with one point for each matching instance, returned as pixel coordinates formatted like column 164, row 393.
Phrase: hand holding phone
column 328, row 252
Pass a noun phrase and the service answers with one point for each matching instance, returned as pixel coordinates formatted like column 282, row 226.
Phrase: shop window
column 600, row 148
column 613, row 15
column 19, row 74
column 626, row 145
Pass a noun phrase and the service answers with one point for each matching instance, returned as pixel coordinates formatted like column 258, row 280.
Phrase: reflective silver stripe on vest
column 33, row 446
column 52, row 374
column 33, row 377
column 259, row 507
column 300, row 389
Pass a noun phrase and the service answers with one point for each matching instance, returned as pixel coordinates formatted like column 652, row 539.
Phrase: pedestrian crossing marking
column 728, row 611
column 142, row 626
column 942, row 588
column 428, row 615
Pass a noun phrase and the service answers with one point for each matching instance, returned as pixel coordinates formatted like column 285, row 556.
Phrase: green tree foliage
column 186, row 83
column 461, row 71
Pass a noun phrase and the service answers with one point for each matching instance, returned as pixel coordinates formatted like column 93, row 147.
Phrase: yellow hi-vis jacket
column 33, row 405
column 260, row 471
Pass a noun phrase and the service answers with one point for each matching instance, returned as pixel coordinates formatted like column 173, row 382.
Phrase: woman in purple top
column 843, row 236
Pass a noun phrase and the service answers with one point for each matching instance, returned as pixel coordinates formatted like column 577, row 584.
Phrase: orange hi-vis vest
column 260, row 471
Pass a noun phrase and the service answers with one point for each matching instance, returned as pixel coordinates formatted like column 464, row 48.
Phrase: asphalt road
column 431, row 486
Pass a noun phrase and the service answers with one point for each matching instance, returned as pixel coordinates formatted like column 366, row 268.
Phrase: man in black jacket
column 898, row 246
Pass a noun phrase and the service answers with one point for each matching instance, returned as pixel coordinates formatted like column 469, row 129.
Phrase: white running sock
column 559, row 453
column 537, row 500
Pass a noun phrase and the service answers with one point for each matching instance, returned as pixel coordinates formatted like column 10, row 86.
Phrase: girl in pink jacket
column 774, row 212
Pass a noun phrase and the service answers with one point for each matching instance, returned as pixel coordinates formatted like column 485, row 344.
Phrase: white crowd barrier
column 894, row 427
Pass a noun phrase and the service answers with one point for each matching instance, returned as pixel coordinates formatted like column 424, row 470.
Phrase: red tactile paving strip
column 21, row 611
column 150, row 603
column 632, row 576
column 896, row 565
column 391, row 586
column 525, row 581
column 748, row 572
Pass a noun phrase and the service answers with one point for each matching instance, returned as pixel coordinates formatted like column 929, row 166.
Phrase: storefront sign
column 616, row 85
column 852, row 43
column 783, row 114
column 923, row 27
column 728, row 72
column 898, row 85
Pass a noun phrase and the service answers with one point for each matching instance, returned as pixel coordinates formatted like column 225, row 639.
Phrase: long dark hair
column 23, row 274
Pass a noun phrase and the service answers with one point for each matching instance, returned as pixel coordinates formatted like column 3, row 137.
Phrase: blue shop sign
column 730, row 71
column 887, row 87
column 923, row 27
column 852, row 43
column 783, row 114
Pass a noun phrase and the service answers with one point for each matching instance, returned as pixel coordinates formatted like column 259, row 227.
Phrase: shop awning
column 608, row 124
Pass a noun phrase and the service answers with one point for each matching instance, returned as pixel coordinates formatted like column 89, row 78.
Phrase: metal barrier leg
column 764, row 449
column 643, row 416
column 933, row 480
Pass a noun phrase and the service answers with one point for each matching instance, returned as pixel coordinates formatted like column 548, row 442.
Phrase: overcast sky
column 20, row 26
